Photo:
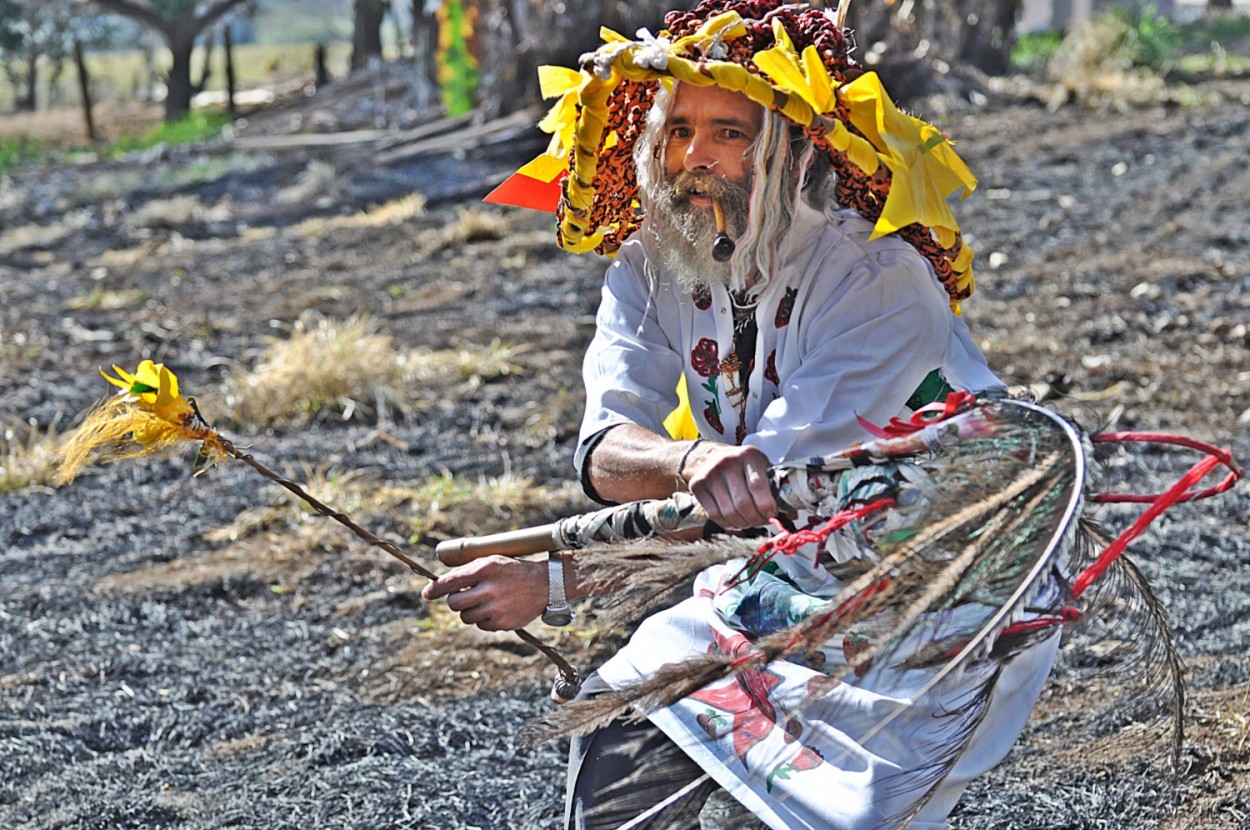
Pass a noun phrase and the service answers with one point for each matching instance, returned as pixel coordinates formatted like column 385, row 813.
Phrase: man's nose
column 699, row 157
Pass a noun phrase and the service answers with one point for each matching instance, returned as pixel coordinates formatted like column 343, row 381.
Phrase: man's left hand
column 495, row 593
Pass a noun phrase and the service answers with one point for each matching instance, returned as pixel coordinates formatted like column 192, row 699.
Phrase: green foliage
column 1032, row 51
column 195, row 127
column 1152, row 39
column 457, row 69
column 20, row 151
column 1224, row 30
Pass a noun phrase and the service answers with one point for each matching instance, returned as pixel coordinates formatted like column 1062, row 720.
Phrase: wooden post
column 320, row 77
column 228, row 43
column 84, row 87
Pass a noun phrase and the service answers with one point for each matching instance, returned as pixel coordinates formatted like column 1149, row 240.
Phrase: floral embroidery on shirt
column 706, row 364
column 702, row 298
column 704, row 360
column 770, row 369
column 786, row 308
column 852, row 646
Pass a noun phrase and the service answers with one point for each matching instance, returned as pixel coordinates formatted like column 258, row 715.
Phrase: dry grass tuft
column 472, row 364
column 99, row 298
column 1230, row 719
column 316, row 186
column 472, row 225
column 447, row 506
column 31, row 236
column 1093, row 67
column 29, row 456
column 325, row 366
column 394, row 212
column 178, row 212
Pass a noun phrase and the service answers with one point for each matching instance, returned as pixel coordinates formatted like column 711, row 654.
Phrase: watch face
column 560, row 616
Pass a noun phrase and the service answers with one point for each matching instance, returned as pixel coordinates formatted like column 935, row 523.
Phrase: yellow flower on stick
column 148, row 417
column 156, row 388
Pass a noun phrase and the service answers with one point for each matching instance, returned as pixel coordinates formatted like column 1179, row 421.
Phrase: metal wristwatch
column 558, row 611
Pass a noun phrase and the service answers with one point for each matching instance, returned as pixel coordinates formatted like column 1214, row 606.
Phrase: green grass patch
column 1032, row 51
column 195, row 127
column 19, row 152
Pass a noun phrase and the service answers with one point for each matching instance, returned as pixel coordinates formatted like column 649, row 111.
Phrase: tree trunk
column 929, row 47
column 179, row 30
column 179, row 92
column 367, row 32
column 84, row 89
column 29, row 99
column 533, row 33
column 425, row 42
column 228, row 45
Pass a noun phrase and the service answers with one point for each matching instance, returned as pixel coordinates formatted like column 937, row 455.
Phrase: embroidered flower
column 854, row 645
column 770, row 369
column 704, row 359
column 702, row 298
column 712, row 416
column 786, row 308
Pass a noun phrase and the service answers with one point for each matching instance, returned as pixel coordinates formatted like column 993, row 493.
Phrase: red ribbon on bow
column 955, row 403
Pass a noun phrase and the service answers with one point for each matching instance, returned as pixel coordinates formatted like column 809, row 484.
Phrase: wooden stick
column 455, row 552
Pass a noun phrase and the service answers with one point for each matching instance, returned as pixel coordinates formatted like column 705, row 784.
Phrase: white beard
column 685, row 234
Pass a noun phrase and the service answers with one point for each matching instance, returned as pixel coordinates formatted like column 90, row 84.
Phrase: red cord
column 788, row 542
column 1222, row 456
column 955, row 403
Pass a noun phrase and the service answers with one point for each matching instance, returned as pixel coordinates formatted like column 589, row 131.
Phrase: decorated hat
column 894, row 169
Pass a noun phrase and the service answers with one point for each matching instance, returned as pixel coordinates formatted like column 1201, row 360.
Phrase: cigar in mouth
column 722, row 245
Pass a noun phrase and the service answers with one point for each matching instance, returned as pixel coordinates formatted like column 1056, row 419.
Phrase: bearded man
column 816, row 321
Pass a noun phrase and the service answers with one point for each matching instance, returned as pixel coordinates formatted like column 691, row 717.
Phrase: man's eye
column 679, row 132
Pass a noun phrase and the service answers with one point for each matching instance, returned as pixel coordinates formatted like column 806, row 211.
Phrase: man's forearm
column 731, row 482
column 631, row 463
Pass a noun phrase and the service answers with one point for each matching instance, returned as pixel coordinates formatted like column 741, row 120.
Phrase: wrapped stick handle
column 636, row 520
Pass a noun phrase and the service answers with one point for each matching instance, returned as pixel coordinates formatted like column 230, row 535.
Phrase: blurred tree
column 35, row 34
column 367, row 32
column 538, row 32
column 179, row 23
column 425, row 38
column 925, row 46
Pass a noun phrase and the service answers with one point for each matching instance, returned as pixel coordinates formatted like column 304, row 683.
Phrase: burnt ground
column 159, row 671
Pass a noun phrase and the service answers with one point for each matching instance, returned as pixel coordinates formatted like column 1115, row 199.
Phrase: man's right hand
column 731, row 483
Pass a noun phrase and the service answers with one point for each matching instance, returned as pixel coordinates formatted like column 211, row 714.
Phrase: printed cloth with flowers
column 845, row 327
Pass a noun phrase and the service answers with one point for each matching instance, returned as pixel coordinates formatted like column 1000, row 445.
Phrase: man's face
column 708, row 139
column 710, row 132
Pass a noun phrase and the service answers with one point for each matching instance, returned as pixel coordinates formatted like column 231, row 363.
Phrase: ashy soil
column 170, row 660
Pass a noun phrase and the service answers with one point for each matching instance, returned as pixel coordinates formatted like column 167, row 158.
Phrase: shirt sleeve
column 631, row 367
column 865, row 347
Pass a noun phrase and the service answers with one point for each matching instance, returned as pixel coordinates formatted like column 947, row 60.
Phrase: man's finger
column 761, row 494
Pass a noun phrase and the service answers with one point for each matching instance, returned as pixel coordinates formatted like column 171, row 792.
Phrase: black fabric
column 583, row 472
